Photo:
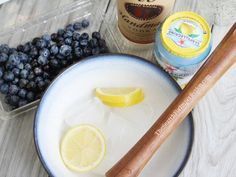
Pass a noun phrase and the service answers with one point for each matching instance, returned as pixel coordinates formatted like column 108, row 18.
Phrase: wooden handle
column 216, row 65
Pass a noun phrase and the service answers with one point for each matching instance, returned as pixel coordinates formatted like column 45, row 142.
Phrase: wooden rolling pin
column 216, row 65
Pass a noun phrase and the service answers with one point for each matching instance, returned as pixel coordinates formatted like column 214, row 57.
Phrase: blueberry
column 30, row 96
column 54, row 63
column 16, row 71
column 31, row 85
column 95, row 51
column 69, row 59
column 23, row 57
column 3, row 57
column 78, row 52
column 75, row 44
column 14, row 60
column 4, row 88
column 44, row 52
column 46, row 68
column 87, row 51
column 76, row 36
column 42, row 60
column 45, row 75
column 31, row 75
column 60, row 32
column 23, row 83
column 22, row 93
column 65, row 50
column 28, row 66
column 93, row 43
column 47, row 82
column 20, row 48
column 24, row 73
column 40, row 44
column 8, row 76
column 70, row 27
column 54, row 36
column 83, row 43
column 37, row 79
column 12, row 51
column 68, row 41
column 60, row 56
column 54, row 50
column 41, row 85
column 84, row 36
column 68, row 34
column 15, row 81
column 13, row 89
column 101, row 43
column 20, row 66
column 33, row 52
column 26, row 47
column 63, row 63
column 96, row 35
column 46, row 37
column 38, row 71
column 1, row 82
column 78, row 26
column 34, row 63
column 1, row 72
column 4, row 48
column 85, row 23
column 14, row 100
column 9, row 66
column 22, row 103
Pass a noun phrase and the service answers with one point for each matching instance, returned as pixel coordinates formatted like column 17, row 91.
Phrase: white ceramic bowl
column 66, row 102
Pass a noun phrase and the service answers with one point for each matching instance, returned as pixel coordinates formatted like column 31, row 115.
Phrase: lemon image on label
column 83, row 148
column 187, row 29
column 120, row 97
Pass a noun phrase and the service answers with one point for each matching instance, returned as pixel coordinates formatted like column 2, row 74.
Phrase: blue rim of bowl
column 157, row 67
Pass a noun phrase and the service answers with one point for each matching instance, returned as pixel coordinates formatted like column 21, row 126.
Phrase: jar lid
column 185, row 34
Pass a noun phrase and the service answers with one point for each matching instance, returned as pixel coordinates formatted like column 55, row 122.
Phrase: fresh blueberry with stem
column 8, row 76
column 4, row 88
column 3, row 57
column 78, row 26
column 85, row 23
column 65, row 50
column 13, row 89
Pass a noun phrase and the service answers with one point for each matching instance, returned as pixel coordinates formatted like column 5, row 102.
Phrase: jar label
column 186, row 33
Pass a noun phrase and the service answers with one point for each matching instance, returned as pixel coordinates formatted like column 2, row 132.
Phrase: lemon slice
column 120, row 97
column 83, row 148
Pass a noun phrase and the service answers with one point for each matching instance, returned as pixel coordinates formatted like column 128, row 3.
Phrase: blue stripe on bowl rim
column 132, row 58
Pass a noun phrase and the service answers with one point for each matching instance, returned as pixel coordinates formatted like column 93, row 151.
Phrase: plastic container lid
column 185, row 34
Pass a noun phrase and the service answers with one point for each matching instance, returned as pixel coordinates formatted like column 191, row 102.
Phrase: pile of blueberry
column 26, row 71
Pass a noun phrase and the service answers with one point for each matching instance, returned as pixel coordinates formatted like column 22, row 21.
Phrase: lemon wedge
column 83, row 148
column 120, row 97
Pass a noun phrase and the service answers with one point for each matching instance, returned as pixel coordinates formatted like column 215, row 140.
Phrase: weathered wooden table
column 213, row 153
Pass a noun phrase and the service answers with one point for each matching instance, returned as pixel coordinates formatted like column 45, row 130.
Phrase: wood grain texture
column 213, row 153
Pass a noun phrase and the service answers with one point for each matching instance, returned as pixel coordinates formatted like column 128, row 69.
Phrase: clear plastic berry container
column 48, row 21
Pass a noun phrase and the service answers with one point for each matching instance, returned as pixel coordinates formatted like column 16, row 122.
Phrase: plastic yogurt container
column 183, row 41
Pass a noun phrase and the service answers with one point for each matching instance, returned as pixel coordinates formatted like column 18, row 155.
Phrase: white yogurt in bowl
column 70, row 101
